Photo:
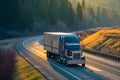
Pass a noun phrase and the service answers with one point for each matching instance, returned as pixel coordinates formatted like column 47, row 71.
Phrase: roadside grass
column 13, row 66
column 107, row 41
column 24, row 71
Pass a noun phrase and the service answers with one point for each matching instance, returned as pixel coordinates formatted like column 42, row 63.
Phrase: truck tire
column 58, row 59
column 66, row 63
column 83, row 65
column 48, row 55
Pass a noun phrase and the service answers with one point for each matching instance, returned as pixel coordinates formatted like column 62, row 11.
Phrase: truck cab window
column 71, row 39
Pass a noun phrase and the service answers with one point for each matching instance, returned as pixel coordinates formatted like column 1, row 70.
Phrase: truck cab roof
column 58, row 33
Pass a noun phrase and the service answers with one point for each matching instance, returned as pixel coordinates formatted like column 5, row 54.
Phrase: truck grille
column 76, row 56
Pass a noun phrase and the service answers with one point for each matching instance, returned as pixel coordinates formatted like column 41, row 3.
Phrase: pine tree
column 71, row 15
column 92, row 13
column 79, row 12
column 98, row 16
column 66, row 12
column 83, row 4
column 8, row 13
column 53, row 13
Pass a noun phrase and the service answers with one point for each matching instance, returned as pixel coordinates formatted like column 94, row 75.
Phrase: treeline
column 51, row 15
column 103, row 17
column 53, row 10
column 12, row 16
column 22, row 14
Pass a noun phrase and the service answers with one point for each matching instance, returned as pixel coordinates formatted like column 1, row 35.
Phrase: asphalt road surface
column 96, row 68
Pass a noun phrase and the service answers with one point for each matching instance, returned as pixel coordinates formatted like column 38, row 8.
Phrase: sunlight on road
column 93, row 68
column 37, row 49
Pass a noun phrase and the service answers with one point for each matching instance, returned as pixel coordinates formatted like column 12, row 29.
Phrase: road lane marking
column 111, row 76
column 66, row 71
column 53, row 63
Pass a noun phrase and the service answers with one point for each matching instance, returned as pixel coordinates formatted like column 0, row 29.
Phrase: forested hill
column 56, row 15
column 21, row 14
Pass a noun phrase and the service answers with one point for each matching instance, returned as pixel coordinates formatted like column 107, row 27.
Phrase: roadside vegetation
column 13, row 66
column 105, row 40
column 7, row 64
column 23, row 71
column 86, row 33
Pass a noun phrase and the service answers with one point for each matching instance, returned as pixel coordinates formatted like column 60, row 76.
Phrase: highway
column 96, row 68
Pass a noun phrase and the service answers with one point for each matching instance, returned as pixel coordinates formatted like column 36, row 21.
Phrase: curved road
column 96, row 68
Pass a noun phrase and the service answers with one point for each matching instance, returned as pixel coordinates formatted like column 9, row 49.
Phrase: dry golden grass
column 107, row 41
column 26, row 72
column 14, row 67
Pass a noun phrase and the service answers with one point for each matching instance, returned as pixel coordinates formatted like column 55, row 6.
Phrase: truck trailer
column 65, row 47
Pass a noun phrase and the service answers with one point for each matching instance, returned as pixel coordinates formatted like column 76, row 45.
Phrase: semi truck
column 64, row 47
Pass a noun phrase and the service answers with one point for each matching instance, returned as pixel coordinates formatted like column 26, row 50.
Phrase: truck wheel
column 83, row 65
column 48, row 55
column 67, row 64
column 58, row 59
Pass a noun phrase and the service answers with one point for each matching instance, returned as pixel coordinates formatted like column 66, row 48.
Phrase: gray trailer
column 64, row 47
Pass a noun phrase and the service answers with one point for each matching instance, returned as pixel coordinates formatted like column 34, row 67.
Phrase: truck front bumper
column 77, row 61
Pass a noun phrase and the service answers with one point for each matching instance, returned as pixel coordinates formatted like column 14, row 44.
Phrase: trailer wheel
column 48, row 55
column 83, row 65
column 66, row 63
column 58, row 59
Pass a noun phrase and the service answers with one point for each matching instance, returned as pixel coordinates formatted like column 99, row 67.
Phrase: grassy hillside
column 107, row 41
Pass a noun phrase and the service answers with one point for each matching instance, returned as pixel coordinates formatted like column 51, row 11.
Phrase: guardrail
column 104, row 55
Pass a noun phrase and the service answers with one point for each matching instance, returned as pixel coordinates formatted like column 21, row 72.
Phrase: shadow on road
column 74, row 71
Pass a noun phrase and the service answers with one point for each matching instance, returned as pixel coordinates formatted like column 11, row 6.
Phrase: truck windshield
column 71, row 39
column 73, row 47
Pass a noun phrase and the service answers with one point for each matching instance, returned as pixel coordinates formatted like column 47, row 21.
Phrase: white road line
column 67, row 72
column 53, row 63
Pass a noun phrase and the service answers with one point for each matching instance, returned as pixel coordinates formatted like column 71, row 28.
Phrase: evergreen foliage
column 23, row 14
column 79, row 12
